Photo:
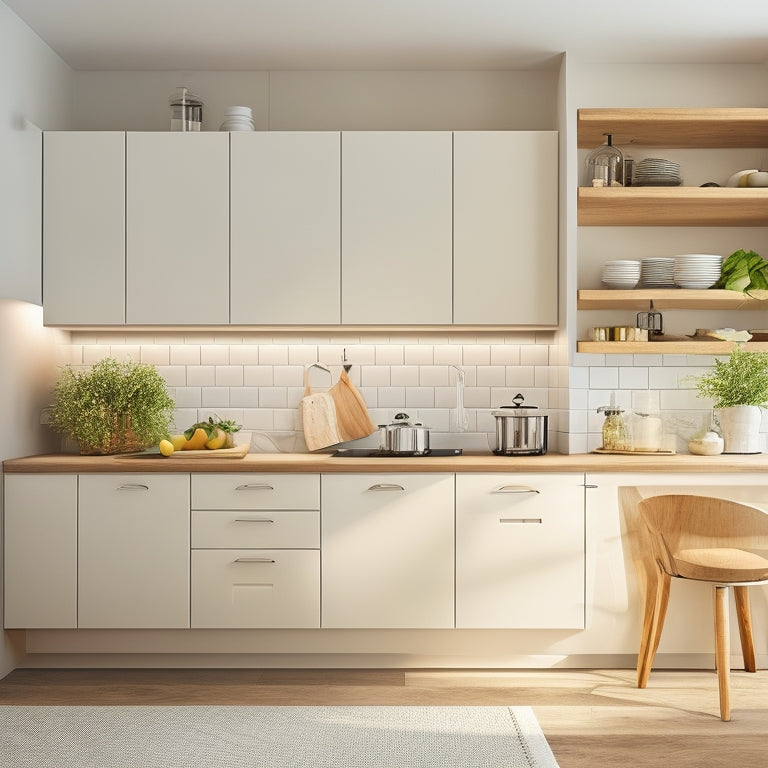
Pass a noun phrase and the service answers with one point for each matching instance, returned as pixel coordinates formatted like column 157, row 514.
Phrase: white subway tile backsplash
column 214, row 354
column 306, row 354
column 390, row 354
column 244, row 397
column 391, row 397
column 534, row 354
column 477, row 354
column 604, row 378
column 155, row 354
column 404, row 376
column 375, row 376
column 448, row 354
column 633, row 378
column 183, row 354
column 174, row 375
column 92, row 354
column 273, row 397
column 505, row 354
column 491, row 376
column 244, row 354
column 201, row 376
column 419, row 354
column 258, row 375
column 434, row 375
column 293, row 376
column 229, row 375
column 273, row 354
column 419, row 397
column 520, row 376
column 477, row 397
column 187, row 397
column 215, row 397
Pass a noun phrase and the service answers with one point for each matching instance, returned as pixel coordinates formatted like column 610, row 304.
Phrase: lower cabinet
column 40, row 551
column 256, row 551
column 133, row 551
column 388, row 551
column 520, row 551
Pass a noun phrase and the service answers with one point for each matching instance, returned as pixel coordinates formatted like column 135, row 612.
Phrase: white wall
column 34, row 91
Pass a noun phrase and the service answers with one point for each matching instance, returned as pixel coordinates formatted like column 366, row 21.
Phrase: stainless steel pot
column 401, row 436
column 520, row 430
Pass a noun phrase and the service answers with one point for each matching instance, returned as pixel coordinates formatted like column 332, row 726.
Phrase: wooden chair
column 699, row 538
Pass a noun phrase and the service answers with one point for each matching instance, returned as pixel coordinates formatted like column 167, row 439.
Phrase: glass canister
column 186, row 111
column 605, row 165
column 615, row 432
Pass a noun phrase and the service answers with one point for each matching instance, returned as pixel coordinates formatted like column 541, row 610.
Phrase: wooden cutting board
column 238, row 452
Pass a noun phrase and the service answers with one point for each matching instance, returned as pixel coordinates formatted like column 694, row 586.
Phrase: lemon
column 197, row 441
column 166, row 447
column 178, row 442
column 218, row 440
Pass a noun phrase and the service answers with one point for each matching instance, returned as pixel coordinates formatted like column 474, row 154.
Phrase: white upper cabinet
column 84, row 228
column 505, row 228
column 396, row 228
column 285, row 228
column 177, row 239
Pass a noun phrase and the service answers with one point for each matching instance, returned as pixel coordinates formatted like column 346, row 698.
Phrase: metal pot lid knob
column 518, row 401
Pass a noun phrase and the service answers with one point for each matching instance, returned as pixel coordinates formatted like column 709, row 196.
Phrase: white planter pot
column 740, row 425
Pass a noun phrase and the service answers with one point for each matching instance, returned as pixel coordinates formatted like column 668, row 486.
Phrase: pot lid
column 517, row 409
column 402, row 420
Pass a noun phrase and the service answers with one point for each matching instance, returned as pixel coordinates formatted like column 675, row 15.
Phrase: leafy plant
column 744, row 271
column 742, row 379
column 113, row 407
column 227, row 425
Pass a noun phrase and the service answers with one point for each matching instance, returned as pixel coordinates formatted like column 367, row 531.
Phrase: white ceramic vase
column 740, row 425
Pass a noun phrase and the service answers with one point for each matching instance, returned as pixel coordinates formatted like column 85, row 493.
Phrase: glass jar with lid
column 186, row 111
column 615, row 432
column 605, row 165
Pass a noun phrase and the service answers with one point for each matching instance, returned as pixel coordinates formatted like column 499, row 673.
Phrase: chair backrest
column 678, row 522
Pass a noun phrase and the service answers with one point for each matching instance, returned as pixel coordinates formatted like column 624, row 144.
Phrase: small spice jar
column 615, row 433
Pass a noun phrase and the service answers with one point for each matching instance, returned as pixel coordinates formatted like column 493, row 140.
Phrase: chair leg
column 744, row 616
column 656, row 601
column 722, row 650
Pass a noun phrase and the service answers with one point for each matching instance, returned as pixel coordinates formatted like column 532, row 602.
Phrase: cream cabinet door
column 177, row 228
column 84, row 228
column 396, row 227
column 505, row 228
column 133, row 543
column 285, row 228
column 40, row 551
column 387, row 550
column 520, row 551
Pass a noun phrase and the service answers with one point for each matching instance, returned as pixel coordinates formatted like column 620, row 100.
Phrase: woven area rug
column 271, row 737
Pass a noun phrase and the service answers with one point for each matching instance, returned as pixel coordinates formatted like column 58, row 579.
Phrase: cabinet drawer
column 230, row 529
column 255, row 588
column 255, row 491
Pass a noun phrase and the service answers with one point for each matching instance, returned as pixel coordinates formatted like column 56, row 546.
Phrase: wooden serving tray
column 634, row 453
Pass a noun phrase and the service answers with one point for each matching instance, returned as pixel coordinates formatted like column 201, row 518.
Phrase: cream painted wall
column 423, row 100
column 34, row 95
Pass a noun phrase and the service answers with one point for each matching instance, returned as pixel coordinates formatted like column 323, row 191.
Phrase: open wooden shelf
column 664, row 347
column 668, row 298
column 672, row 206
column 674, row 128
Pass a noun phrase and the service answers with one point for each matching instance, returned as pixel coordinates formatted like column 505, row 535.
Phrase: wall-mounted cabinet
column 299, row 229
column 670, row 206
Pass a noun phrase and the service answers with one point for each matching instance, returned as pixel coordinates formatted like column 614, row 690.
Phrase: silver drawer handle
column 536, row 520
column 253, row 520
column 254, row 560
column 516, row 489
column 133, row 487
column 386, row 487
column 254, row 487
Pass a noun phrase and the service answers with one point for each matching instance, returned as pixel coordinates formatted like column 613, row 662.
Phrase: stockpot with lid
column 520, row 429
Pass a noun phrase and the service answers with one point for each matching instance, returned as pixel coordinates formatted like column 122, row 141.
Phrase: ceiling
column 393, row 34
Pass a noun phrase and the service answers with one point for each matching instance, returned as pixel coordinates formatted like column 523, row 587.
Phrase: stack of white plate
column 697, row 270
column 657, row 273
column 657, row 172
column 621, row 274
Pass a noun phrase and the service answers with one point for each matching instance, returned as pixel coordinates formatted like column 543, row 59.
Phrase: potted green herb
column 114, row 407
column 738, row 388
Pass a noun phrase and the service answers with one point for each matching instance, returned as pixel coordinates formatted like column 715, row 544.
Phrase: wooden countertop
column 326, row 463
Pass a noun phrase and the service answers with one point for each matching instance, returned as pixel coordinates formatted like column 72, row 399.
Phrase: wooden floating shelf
column 672, row 206
column 669, row 298
column 674, row 128
column 664, row 347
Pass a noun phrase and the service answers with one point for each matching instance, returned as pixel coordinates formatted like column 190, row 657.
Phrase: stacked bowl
column 621, row 274
column 657, row 273
column 697, row 270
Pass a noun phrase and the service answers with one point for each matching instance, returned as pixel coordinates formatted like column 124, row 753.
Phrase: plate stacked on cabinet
column 621, row 274
column 657, row 273
column 657, row 172
column 697, row 270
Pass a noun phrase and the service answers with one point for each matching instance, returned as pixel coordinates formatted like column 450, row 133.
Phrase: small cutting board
column 238, row 452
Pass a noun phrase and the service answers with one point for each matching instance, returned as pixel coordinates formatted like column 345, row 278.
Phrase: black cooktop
column 376, row 453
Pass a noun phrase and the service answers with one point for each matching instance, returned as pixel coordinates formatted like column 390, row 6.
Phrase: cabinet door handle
column 386, row 487
column 516, row 489
column 254, row 487
column 253, row 520
column 133, row 487
column 521, row 520
column 254, row 560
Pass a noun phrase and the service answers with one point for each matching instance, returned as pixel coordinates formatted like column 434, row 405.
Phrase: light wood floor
column 592, row 719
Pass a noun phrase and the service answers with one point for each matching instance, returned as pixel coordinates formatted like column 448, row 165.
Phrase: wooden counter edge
column 326, row 463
